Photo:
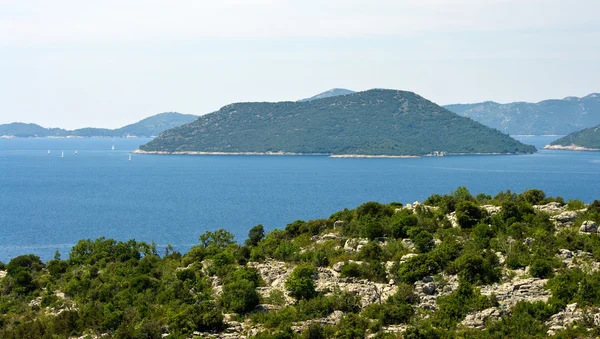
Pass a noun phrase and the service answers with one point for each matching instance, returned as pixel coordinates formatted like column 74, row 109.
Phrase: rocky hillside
column 584, row 140
column 375, row 122
column 548, row 117
column 513, row 265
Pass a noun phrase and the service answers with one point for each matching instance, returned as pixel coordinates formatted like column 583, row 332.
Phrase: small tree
column 255, row 235
column 468, row 214
column 300, row 284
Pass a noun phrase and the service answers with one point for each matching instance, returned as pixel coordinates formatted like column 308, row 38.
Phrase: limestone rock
column 453, row 220
column 368, row 291
column 516, row 290
column 355, row 244
column 338, row 266
column 551, row 208
column 338, row 224
column 2, row 274
column 408, row 244
column 565, row 218
column 564, row 253
column 407, row 256
column 569, row 315
column 477, row 319
column 492, row 209
column 588, row 226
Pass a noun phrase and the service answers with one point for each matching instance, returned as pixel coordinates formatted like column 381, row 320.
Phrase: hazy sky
column 108, row 63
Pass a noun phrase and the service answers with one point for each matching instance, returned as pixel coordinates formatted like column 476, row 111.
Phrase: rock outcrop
column 570, row 315
column 588, row 226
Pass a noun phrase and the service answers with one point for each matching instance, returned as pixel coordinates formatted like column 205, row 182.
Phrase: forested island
column 376, row 122
column 585, row 140
column 456, row 265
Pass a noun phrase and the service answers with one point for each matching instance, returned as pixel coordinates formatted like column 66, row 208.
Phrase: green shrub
column 541, row 268
column 300, row 284
column 468, row 214
column 477, row 268
column 239, row 296
column 416, row 268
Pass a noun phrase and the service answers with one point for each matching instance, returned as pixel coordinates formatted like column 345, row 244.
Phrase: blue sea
column 49, row 202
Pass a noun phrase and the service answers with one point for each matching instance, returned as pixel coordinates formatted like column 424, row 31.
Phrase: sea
column 54, row 192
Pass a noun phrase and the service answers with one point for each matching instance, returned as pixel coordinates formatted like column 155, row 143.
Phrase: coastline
column 339, row 156
column 571, row 147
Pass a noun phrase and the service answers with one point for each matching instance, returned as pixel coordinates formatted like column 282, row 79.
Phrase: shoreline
column 571, row 147
column 338, row 156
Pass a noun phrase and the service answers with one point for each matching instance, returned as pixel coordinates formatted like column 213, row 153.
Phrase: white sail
column 62, row 154
column 129, row 156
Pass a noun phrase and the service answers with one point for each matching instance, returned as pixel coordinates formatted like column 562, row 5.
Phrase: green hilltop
column 374, row 122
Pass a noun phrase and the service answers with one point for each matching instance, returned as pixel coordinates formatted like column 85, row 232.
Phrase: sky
column 73, row 63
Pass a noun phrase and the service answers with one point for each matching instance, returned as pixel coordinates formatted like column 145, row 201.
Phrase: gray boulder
column 588, row 226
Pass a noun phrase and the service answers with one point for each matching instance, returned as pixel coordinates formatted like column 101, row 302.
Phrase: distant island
column 548, row 117
column 377, row 122
column 584, row 140
column 334, row 92
column 149, row 127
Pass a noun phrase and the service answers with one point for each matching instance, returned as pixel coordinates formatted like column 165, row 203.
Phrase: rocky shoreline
column 571, row 148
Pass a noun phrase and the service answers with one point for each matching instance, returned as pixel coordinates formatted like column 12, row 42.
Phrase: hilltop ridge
column 548, row 117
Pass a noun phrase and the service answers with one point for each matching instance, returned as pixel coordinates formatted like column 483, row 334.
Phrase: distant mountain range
column 586, row 139
column 148, row 127
column 334, row 92
column 374, row 122
column 546, row 117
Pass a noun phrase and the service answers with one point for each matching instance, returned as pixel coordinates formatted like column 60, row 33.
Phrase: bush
column 573, row 205
column 300, row 284
column 468, row 214
column 401, row 222
column 204, row 316
column 422, row 240
column 541, row 268
column 239, row 296
column 416, row 268
column 477, row 268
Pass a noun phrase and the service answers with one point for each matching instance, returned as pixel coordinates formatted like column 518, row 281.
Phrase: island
column 148, row 127
column 585, row 140
column 376, row 122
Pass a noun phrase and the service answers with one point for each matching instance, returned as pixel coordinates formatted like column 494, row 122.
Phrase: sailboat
column 62, row 154
column 129, row 156
column 48, row 151
column 75, row 152
column 113, row 147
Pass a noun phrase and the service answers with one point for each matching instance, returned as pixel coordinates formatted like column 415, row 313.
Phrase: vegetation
column 135, row 290
column 147, row 127
column 548, row 117
column 587, row 138
column 374, row 122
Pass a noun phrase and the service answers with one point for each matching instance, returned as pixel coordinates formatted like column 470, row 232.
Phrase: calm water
column 47, row 203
